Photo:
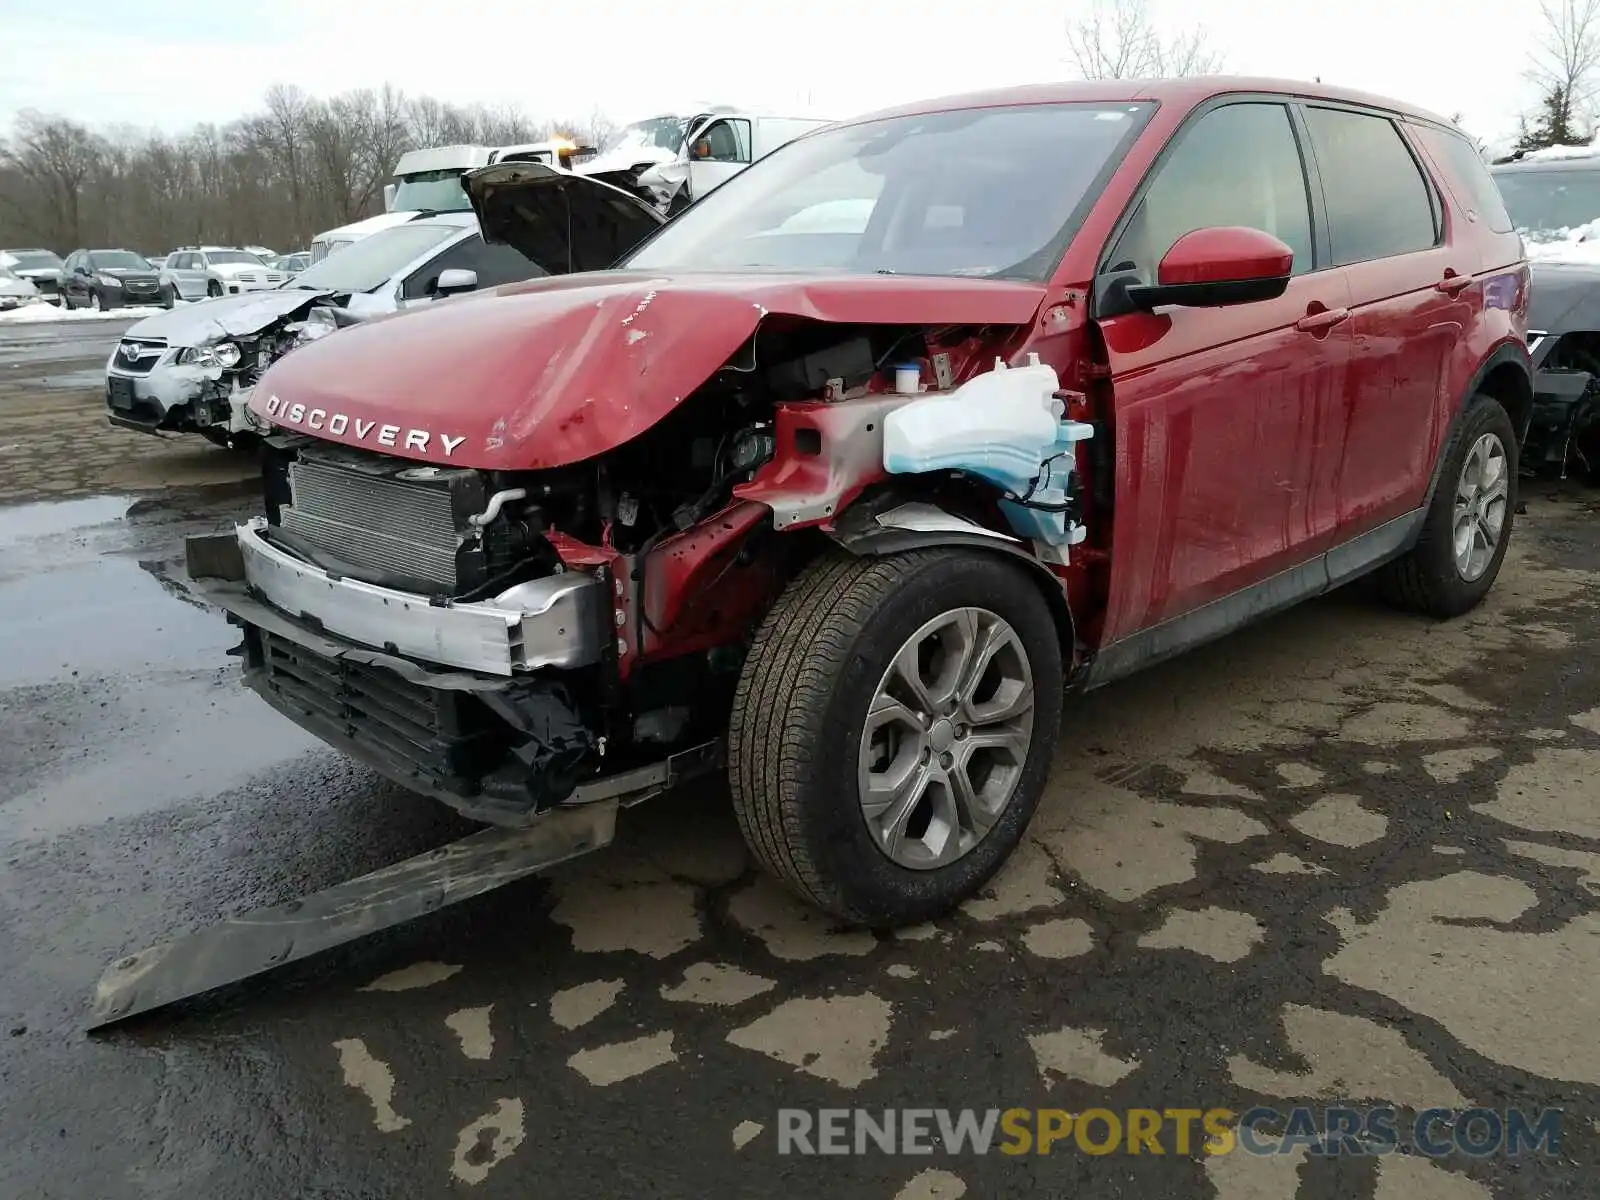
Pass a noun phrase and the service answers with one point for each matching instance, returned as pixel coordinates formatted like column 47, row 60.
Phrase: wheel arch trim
column 876, row 531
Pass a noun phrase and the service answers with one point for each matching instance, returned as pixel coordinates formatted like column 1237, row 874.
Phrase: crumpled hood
column 226, row 316
column 554, row 371
column 563, row 221
column 17, row 287
column 51, row 273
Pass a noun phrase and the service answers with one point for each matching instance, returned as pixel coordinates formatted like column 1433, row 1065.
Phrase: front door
column 1412, row 295
column 1226, row 420
column 717, row 153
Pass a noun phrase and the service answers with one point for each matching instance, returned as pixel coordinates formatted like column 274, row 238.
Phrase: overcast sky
column 170, row 63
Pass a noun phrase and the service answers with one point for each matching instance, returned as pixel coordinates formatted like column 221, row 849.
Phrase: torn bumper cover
column 236, row 949
column 178, row 399
column 458, row 704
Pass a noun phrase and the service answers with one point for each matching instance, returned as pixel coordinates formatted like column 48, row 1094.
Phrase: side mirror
column 455, row 280
column 388, row 197
column 1220, row 265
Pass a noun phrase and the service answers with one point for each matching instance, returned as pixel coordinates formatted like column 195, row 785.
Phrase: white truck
column 429, row 181
column 672, row 159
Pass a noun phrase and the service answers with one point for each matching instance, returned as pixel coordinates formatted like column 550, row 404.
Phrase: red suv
column 841, row 478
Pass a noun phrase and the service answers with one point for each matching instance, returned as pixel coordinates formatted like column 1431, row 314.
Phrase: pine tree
column 1555, row 125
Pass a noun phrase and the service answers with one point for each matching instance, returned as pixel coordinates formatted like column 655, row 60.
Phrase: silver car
column 15, row 291
column 42, row 268
column 191, row 370
column 199, row 272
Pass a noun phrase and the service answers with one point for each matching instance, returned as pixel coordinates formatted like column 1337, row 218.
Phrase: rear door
column 1412, row 294
column 190, row 285
column 1227, row 419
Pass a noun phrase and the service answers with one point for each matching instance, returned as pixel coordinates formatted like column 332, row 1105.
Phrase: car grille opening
column 138, row 356
column 432, row 737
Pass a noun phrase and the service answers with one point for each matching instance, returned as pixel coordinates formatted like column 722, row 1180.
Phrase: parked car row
column 109, row 278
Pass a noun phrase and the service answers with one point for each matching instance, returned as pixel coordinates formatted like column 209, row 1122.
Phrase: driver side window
column 1237, row 165
column 725, row 141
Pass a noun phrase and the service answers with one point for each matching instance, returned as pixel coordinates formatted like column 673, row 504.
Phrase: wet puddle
column 153, row 709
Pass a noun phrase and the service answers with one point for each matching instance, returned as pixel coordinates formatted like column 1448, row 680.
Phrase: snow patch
column 1555, row 153
column 38, row 314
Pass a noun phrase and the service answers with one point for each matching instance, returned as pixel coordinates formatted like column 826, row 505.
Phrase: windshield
column 373, row 261
column 228, row 257
column 431, row 191
column 32, row 260
column 987, row 192
column 117, row 260
column 658, row 133
column 1549, row 203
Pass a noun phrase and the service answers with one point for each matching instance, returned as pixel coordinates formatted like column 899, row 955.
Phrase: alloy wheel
column 1482, row 493
column 946, row 738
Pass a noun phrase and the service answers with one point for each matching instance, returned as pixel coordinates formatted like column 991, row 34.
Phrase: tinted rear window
column 1379, row 204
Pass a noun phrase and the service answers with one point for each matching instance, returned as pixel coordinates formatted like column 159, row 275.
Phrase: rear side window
column 1379, row 203
column 1236, row 165
column 1466, row 167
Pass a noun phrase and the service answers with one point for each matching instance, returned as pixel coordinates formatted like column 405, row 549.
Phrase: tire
column 169, row 298
column 96, row 304
column 66, row 302
column 213, row 289
column 1430, row 578
column 798, row 731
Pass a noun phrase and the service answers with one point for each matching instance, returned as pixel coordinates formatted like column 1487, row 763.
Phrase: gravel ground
column 1346, row 856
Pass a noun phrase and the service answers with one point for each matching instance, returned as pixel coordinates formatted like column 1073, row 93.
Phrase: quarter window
column 1464, row 162
column 1236, row 165
column 1379, row 203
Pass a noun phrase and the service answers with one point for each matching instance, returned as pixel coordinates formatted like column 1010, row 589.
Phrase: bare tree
column 1568, row 54
column 276, row 177
column 56, row 157
column 1117, row 39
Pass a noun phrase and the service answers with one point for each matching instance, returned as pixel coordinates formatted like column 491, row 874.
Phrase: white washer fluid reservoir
column 1005, row 426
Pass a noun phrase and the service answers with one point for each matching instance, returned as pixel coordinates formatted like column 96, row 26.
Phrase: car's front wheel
column 95, row 303
column 1468, row 524
column 893, row 729
column 213, row 289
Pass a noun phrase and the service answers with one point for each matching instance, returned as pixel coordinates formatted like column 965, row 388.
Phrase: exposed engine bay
column 664, row 544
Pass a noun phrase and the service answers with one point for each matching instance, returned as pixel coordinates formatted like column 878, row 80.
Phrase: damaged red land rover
column 842, row 478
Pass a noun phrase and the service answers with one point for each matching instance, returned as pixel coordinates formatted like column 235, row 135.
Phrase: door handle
column 1452, row 283
column 1318, row 321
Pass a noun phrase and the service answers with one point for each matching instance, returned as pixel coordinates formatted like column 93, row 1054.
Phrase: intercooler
column 391, row 522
